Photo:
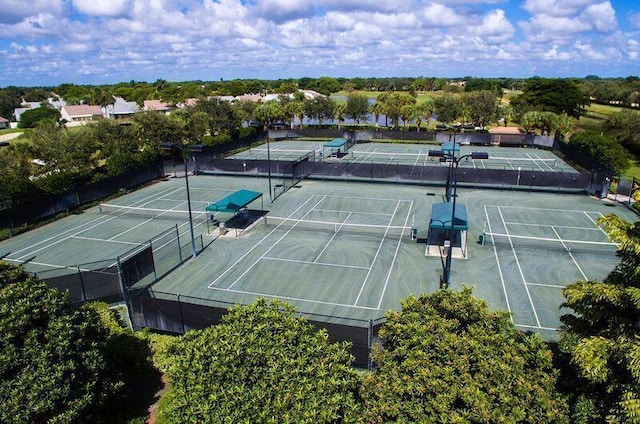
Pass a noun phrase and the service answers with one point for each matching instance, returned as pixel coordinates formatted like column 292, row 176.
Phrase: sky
column 50, row 42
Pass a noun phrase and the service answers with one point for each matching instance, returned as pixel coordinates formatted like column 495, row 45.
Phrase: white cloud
column 12, row 11
column 494, row 26
column 556, row 7
column 102, row 7
column 601, row 15
column 634, row 20
column 439, row 15
column 210, row 39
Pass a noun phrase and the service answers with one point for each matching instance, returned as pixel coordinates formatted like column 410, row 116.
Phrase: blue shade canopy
column 441, row 217
column 234, row 202
column 336, row 142
column 450, row 147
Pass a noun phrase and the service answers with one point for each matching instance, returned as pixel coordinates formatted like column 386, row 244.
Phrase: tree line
column 443, row 357
column 53, row 159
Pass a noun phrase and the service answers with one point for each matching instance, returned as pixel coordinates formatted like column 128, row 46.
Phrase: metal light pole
column 269, row 169
column 453, row 183
column 172, row 146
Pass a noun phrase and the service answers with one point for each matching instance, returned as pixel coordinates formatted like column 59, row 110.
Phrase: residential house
column 157, row 106
column 4, row 123
column 120, row 109
column 80, row 114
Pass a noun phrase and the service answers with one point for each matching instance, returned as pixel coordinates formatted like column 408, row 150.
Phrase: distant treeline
column 620, row 91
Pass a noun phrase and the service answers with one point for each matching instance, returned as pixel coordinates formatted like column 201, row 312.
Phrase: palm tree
column 377, row 109
column 423, row 111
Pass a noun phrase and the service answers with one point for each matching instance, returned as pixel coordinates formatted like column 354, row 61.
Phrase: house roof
column 505, row 130
column 3, row 119
column 156, row 105
column 82, row 110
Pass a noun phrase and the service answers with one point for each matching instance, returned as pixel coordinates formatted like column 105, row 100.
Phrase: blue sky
column 49, row 42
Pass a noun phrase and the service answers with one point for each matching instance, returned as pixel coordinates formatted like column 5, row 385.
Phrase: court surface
column 524, row 159
column 345, row 249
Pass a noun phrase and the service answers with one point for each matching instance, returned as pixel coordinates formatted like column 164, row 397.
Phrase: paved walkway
column 7, row 137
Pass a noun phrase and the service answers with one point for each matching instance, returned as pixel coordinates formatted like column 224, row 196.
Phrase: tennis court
column 345, row 250
column 508, row 158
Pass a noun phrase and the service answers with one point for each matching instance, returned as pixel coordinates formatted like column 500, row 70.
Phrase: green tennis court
column 345, row 250
column 508, row 158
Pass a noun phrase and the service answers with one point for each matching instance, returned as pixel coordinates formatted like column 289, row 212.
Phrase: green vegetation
column 600, row 336
column 263, row 363
column 53, row 358
column 446, row 358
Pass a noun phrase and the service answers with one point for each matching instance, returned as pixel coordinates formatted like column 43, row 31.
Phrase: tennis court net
column 553, row 244
column 380, row 231
column 522, row 162
column 171, row 214
column 364, row 156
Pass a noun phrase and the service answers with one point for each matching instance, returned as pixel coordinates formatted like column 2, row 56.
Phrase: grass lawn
column 11, row 131
column 634, row 171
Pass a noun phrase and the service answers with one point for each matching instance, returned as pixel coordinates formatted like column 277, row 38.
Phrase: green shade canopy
column 441, row 217
column 450, row 147
column 336, row 142
column 234, row 202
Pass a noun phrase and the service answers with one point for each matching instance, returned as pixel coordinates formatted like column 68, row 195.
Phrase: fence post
column 178, row 240
column 84, row 293
column 369, row 344
column 181, row 315
column 125, row 290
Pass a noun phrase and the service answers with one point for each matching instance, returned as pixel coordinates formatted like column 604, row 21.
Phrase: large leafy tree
column 625, row 125
column 446, row 358
column 222, row 118
column 357, row 107
column 320, row 108
column 482, row 106
column 269, row 112
column 31, row 117
column 551, row 95
column 263, row 363
column 601, row 335
column 606, row 151
column 52, row 356
column 447, row 108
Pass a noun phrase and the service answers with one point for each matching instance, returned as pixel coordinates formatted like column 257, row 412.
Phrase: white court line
column 102, row 221
column 273, row 245
column 100, row 218
column 364, row 283
column 495, row 252
column 515, row 255
column 383, row 199
column 108, row 241
column 596, row 224
column 255, row 246
column 535, row 162
column 75, row 268
column 556, row 226
column 570, row 254
column 270, row 258
column 536, row 328
column 292, row 298
column 554, row 286
column 326, row 246
column 538, row 209
column 393, row 262
column 544, row 162
column 351, row 212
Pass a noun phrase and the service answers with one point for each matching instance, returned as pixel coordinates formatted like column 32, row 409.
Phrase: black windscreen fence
column 137, row 266
column 171, row 313
column 46, row 206
column 398, row 172
column 92, row 281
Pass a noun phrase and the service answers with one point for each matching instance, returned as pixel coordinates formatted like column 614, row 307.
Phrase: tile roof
column 83, row 110
column 156, row 105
